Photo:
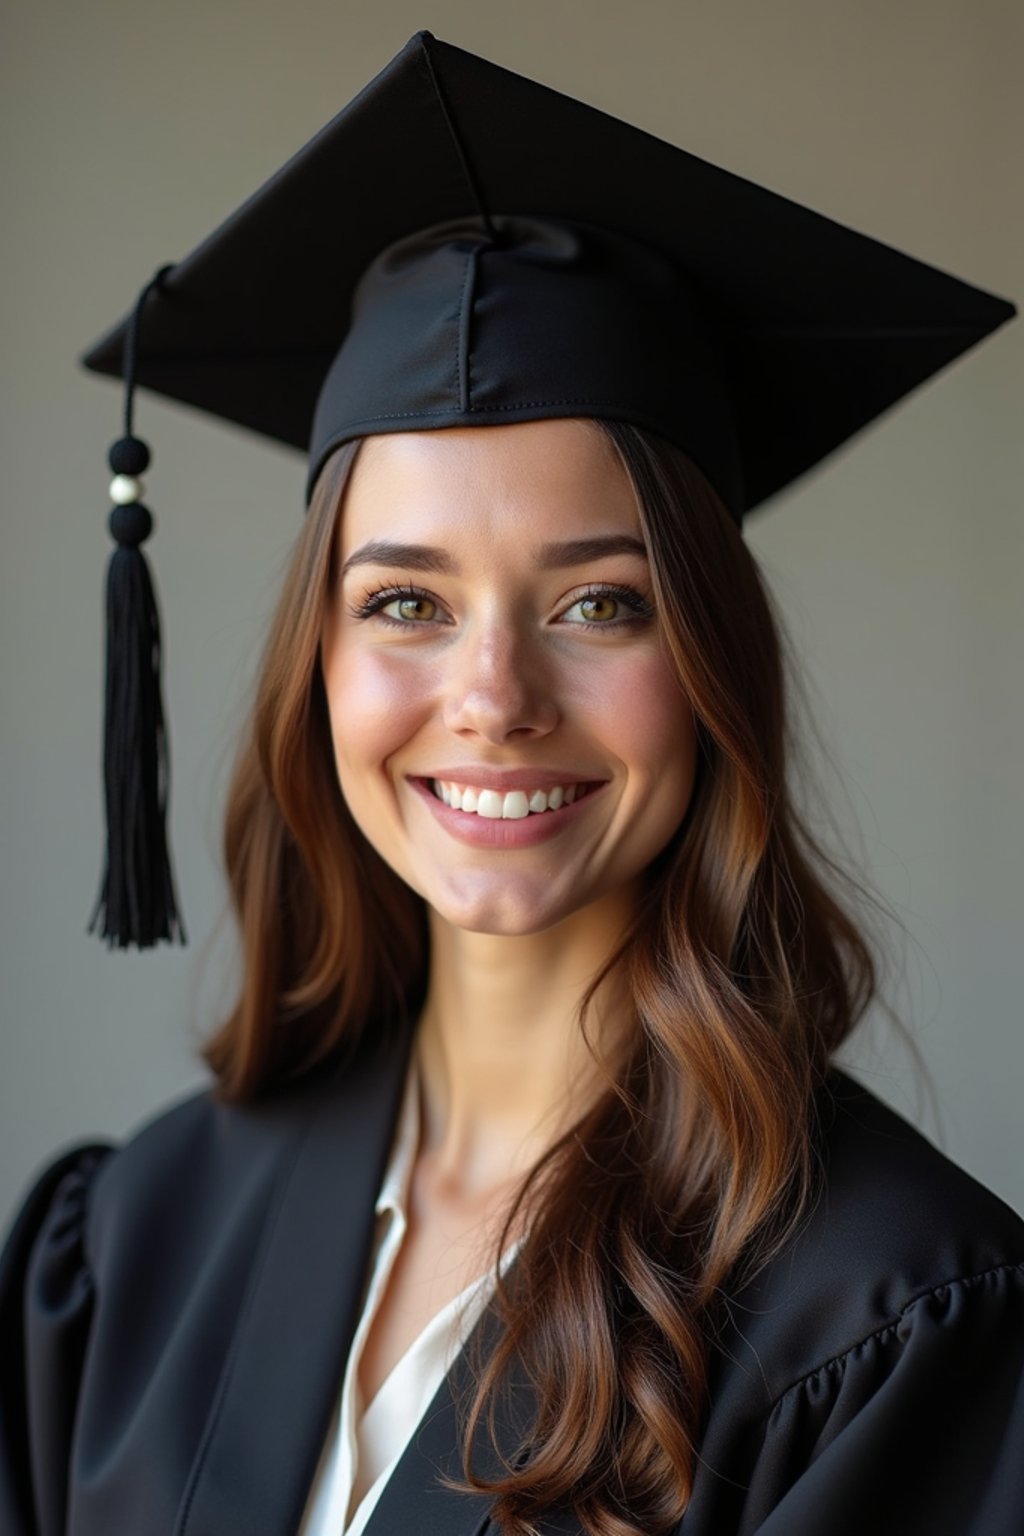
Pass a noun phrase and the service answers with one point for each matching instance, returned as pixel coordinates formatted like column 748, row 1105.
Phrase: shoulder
column 180, row 1169
column 895, row 1225
column 871, row 1376
column 895, row 1212
column 927, row 1215
column 205, row 1163
column 203, row 1160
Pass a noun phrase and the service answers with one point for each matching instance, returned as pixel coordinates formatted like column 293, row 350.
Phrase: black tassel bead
column 129, row 456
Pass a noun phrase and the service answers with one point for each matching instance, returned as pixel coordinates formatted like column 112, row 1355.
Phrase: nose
column 498, row 686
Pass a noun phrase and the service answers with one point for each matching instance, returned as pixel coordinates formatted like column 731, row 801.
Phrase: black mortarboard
column 463, row 246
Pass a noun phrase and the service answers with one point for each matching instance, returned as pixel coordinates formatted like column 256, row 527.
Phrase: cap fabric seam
column 454, row 136
column 462, row 333
column 517, row 405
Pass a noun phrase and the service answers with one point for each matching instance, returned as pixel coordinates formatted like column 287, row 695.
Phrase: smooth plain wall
column 130, row 128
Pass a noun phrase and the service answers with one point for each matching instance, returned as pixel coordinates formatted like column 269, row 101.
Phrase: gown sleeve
column 916, row 1430
column 46, row 1301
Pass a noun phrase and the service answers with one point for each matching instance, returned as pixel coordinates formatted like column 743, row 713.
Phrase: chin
column 501, row 909
column 519, row 910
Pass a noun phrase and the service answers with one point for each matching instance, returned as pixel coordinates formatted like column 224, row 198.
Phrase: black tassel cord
column 137, row 903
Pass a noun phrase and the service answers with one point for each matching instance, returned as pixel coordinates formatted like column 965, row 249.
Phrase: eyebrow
column 549, row 557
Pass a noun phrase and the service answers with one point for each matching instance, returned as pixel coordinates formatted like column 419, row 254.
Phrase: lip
column 523, row 832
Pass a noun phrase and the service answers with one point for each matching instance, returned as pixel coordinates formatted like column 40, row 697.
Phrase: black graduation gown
column 176, row 1316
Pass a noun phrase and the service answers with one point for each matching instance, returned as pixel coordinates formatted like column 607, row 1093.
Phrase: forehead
column 547, row 479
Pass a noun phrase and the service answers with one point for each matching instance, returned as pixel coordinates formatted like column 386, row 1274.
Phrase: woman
column 527, row 1193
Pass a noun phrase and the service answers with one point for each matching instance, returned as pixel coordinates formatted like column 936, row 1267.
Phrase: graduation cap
column 462, row 246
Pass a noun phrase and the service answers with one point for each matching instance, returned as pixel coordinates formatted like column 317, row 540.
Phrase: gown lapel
column 266, row 1427
column 413, row 1498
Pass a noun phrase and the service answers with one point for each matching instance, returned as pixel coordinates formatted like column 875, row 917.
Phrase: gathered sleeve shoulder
column 870, row 1376
column 916, row 1427
column 46, row 1303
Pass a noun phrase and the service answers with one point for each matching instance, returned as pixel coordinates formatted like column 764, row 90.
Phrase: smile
column 514, row 805
column 493, row 826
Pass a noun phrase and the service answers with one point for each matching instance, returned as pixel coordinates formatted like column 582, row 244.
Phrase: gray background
column 130, row 128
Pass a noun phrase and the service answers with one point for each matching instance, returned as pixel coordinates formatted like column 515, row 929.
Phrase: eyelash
column 380, row 597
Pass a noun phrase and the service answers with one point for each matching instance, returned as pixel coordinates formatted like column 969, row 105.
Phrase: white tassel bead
column 124, row 489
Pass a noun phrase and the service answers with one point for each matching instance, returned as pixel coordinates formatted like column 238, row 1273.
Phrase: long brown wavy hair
column 745, row 969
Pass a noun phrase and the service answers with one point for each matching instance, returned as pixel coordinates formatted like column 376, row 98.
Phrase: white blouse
column 365, row 1441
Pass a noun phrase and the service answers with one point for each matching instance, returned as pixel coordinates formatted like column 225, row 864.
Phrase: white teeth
column 513, row 806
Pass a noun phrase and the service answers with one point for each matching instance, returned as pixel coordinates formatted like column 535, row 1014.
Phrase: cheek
column 648, row 720
column 375, row 702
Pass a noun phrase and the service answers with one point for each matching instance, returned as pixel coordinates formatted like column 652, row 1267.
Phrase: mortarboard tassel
column 137, row 902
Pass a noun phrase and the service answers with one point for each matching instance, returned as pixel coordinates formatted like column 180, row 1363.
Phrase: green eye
column 412, row 608
column 611, row 607
column 598, row 609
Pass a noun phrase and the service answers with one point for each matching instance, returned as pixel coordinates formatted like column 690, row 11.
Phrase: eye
column 408, row 607
column 601, row 608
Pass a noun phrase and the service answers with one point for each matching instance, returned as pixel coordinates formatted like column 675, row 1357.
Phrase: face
column 491, row 643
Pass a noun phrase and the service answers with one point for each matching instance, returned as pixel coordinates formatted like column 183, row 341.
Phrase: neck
column 504, row 1067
